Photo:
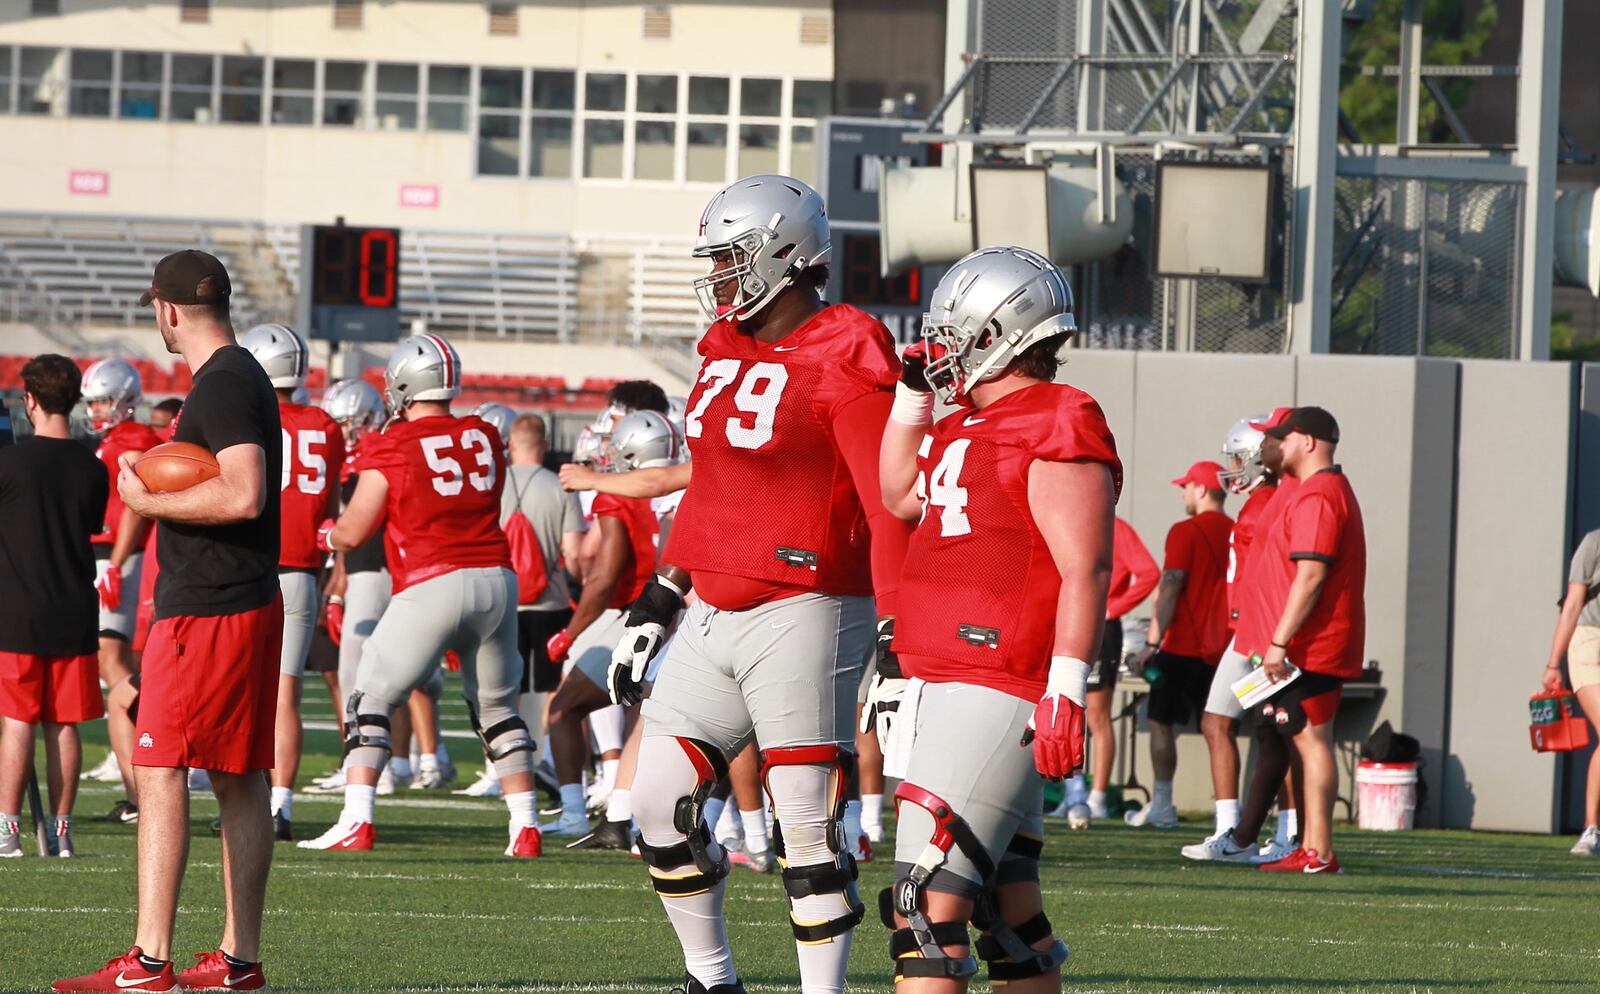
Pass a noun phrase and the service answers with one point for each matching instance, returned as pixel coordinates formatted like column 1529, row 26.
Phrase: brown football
column 176, row 466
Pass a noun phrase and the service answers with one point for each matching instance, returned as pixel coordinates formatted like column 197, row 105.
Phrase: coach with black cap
column 210, row 669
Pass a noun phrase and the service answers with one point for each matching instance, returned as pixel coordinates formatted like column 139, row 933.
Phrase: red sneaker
column 124, row 973
column 1316, row 864
column 1295, row 862
column 528, row 844
column 213, row 973
column 344, row 836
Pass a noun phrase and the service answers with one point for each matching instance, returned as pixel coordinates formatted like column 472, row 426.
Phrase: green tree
column 1450, row 37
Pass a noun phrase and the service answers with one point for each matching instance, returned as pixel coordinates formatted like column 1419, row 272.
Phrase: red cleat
column 344, row 836
column 528, row 844
column 124, row 973
column 1295, row 862
column 1316, row 864
column 213, row 973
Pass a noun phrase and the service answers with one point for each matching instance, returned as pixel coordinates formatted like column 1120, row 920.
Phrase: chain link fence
column 1026, row 27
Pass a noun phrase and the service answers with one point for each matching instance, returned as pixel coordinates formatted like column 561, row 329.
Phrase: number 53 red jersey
column 443, row 511
column 979, row 589
column 313, row 453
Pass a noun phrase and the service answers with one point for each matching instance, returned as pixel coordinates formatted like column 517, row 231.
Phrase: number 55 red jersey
column 443, row 512
column 979, row 589
column 313, row 454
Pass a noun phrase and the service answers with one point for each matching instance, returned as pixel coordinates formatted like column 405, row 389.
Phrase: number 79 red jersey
column 313, row 453
column 979, row 588
column 443, row 512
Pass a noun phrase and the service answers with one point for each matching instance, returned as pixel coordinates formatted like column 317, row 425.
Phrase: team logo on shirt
column 146, row 742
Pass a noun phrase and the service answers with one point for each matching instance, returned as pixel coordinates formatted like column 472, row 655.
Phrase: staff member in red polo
column 210, row 671
column 1307, row 606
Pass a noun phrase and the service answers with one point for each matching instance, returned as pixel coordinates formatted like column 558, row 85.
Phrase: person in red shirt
column 1003, row 602
column 1188, row 630
column 783, row 536
column 313, row 454
column 433, row 483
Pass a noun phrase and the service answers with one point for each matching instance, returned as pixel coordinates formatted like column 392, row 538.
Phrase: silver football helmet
column 591, row 449
column 113, row 380
column 677, row 411
column 356, row 405
column 500, row 416
column 991, row 307
column 1242, row 469
column 282, row 352
column 422, row 367
column 775, row 227
column 642, row 440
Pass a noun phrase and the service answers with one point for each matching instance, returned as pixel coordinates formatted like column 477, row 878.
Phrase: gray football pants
column 300, row 599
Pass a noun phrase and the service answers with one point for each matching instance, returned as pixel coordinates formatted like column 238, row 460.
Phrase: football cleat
column 1098, row 812
column 571, row 824
column 61, row 828
column 344, row 836
column 1295, row 862
column 429, row 779
column 693, row 986
column 1588, row 843
column 1153, row 815
column 107, row 772
column 280, row 828
column 124, row 813
column 526, row 842
column 874, row 833
column 388, row 781
column 213, row 972
column 1221, row 848
column 861, row 849
column 333, row 783
column 486, row 785
column 1078, row 816
column 760, row 862
column 607, row 835
column 10, row 839
column 1316, row 864
column 1275, row 850
column 122, row 973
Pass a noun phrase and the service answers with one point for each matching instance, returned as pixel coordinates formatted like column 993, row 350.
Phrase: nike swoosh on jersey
column 784, row 348
column 969, row 422
column 780, row 626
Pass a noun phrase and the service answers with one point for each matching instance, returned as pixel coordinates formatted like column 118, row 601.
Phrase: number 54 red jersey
column 313, row 453
column 979, row 588
column 443, row 512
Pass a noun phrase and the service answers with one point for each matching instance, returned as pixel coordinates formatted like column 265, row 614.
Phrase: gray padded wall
column 1585, row 514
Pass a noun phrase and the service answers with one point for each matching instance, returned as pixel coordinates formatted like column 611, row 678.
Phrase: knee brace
column 1008, row 950
column 366, row 729
column 688, row 819
column 507, row 742
column 920, row 953
column 838, row 876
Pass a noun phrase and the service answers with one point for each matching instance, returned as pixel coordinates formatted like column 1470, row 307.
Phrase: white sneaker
column 1098, row 812
column 429, row 779
column 1153, row 815
column 61, row 828
column 760, row 862
column 570, row 824
column 199, row 780
column 107, row 772
column 484, row 786
column 1078, row 816
column 333, row 783
column 1273, row 850
column 861, row 849
column 874, row 833
column 1588, row 843
column 10, row 839
column 387, row 781
column 1220, row 848
column 344, row 836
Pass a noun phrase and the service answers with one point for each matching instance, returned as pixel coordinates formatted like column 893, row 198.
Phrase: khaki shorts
column 1583, row 657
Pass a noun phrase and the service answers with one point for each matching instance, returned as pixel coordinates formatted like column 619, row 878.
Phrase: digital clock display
column 355, row 267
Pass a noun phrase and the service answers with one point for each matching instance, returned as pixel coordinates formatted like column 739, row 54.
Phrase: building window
column 758, row 149
column 760, row 97
column 242, row 76
column 5, row 79
column 658, row 22
column 194, row 11
column 294, row 91
column 91, row 83
column 503, row 19
column 448, row 91
column 193, row 79
column 656, row 95
column 605, row 91
column 500, row 122
column 602, row 148
column 708, row 95
column 803, row 153
column 708, row 153
column 398, row 86
column 45, row 8
column 139, row 93
column 347, row 13
column 344, row 85
column 555, row 94
column 655, row 150
column 812, row 98
column 42, row 81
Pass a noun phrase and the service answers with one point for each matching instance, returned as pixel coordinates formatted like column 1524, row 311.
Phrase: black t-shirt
column 369, row 556
column 209, row 570
column 53, row 495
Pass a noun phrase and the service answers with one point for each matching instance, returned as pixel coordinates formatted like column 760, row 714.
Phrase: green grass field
column 437, row 908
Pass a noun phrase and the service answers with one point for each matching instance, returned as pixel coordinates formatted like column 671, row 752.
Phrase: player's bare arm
column 571, row 547
column 1071, row 503
column 362, row 519
column 657, row 481
column 1309, row 576
column 1168, row 591
column 897, row 469
column 237, row 493
column 132, row 532
column 600, row 582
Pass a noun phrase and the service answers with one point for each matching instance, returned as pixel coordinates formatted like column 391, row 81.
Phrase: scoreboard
column 349, row 283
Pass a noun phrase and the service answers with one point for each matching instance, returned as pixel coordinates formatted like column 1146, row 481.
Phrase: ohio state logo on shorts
column 146, row 742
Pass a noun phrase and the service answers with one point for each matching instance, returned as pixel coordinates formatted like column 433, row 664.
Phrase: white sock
column 358, row 802
column 727, row 825
column 427, row 763
column 1097, row 800
column 1288, row 825
column 283, row 801
column 416, row 755
column 620, row 807
column 1162, row 797
column 755, row 831
column 400, row 767
column 1077, row 789
column 713, row 812
column 852, row 822
column 571, row 798
column 521, row 806
column 1227, row 815
column 608, row 773
column 871, row 810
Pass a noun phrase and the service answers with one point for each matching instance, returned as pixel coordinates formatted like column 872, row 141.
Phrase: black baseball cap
column 188, row 277
column 1313, row 421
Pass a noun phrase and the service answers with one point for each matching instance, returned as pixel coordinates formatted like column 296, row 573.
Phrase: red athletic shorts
column 208, row 691
column 61, row 690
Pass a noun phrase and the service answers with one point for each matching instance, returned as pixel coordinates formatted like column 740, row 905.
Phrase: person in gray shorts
column 1001, row 606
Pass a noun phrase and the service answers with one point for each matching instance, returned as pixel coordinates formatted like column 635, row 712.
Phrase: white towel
column 897, row 754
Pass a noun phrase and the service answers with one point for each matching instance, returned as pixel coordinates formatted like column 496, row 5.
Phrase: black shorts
column 324, row 655
column 534, row 629
column 1103, row 674
column 1179, row 690
column 1313, row 698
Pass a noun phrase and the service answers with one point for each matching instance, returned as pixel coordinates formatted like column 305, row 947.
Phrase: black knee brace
column 688, row 819
column 919, row 953
column 366, row 727
column 504, row 738
column 1008, row 950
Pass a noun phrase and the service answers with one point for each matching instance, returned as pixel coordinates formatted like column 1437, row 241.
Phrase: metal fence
column 1023, row 27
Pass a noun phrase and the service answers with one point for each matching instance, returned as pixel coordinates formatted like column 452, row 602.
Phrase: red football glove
column 335, row 619
column 1056, row 729
column 558, row 646
column 452, row 662
column 110, row 587
column 324, row 531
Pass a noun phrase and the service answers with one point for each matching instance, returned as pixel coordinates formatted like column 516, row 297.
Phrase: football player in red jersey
column 111, row 390
column 433, row 482
column 1002, row 604
column 313, row 453
column 784, row 537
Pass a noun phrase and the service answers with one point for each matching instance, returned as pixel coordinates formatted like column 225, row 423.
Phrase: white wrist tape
column 911, row 407
column 1069, row 678
column 682, row 594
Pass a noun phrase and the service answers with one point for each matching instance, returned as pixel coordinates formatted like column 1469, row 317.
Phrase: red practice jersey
column 1134, row 572
column 127, row 436
column 1255, row 616
column 445, row 476
column 773, row 507
column 1198, row 546
column 643, row 528
column 979, row 588
column 1244, row 532
column 313, row 456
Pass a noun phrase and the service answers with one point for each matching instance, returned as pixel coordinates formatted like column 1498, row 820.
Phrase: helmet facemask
column 959, row 360
column 116, row 413
column 752, row 292
column 1244, row 470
